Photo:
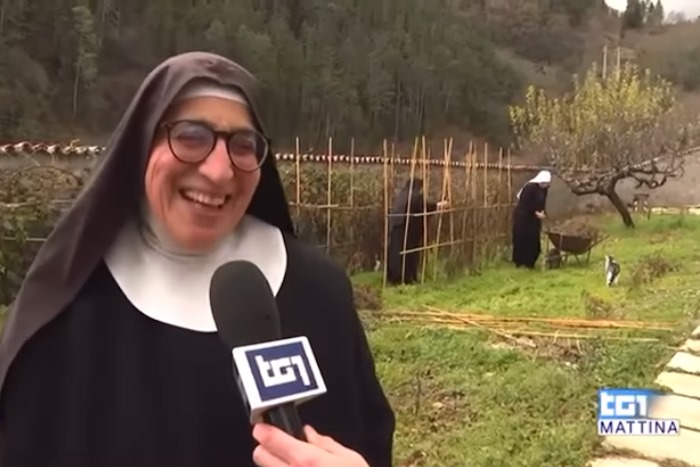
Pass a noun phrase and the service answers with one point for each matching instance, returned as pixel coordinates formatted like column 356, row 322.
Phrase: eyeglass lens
column 194, row 141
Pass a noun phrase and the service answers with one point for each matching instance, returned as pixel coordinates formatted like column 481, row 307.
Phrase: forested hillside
column 371, row 69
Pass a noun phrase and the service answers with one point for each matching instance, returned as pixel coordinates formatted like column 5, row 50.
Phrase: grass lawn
column 470, row 398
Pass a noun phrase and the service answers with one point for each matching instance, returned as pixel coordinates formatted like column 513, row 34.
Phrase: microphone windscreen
column 243, row 305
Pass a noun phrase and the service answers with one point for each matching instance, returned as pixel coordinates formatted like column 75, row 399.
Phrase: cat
column 612, row 271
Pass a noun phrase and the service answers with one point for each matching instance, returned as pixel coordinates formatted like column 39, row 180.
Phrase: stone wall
column 561, row 202
column 675, row 193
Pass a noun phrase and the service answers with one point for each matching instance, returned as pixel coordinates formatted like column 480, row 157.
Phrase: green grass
column 468, row 398
column 504, row 290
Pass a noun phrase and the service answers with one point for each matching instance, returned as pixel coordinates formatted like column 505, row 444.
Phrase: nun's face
column 199, row 203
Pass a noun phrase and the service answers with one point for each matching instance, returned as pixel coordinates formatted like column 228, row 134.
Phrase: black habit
column 527, row 226
column 89, row 380
column 406, row 224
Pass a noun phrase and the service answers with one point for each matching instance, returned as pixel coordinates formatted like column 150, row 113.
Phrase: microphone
column 273, row 374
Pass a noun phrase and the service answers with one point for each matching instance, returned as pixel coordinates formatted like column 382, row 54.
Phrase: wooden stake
column 352, row 189
column 408, row 205
column 486, row 227
column 297, row 173
column 426, row 191
column 473, row 181
column 386, row 211
column 446, row 147
column 329, row 195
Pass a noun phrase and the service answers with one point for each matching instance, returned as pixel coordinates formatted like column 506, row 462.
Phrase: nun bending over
column 527, row 220
column 406, row 231
column 110, row 354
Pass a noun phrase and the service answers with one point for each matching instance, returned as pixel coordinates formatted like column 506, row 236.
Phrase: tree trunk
column 616, row 201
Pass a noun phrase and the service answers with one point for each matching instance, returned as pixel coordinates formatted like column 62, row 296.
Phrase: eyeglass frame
column 225, row 135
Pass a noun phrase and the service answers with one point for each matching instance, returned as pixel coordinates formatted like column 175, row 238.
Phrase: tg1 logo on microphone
column 278, row 372
column 282, row 370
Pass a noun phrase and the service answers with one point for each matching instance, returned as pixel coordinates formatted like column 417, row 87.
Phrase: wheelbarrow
column 574, row 245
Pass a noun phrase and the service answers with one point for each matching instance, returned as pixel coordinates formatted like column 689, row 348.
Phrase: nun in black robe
column 96, row 369
column 527, row 220
column 403, row 268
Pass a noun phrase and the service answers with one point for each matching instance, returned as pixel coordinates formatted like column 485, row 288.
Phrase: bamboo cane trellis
column 341, row 201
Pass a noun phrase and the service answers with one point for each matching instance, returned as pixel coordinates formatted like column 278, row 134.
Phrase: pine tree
column 659, row 12
column 633, row 18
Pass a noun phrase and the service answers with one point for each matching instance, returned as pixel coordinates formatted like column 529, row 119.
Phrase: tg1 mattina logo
column 626, row 411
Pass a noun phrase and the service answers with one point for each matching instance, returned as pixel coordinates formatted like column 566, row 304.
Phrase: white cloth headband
column 211, row 90
column 544, row 176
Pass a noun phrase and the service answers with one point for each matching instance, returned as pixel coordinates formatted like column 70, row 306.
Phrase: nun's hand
column 278, row 449
column 540, row 214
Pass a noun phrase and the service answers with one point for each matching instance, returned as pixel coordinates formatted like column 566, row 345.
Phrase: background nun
column 406, row 227
column 110, row 355
column 527, row 220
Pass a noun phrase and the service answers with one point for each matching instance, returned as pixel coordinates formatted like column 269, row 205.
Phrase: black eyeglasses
column 192, row 141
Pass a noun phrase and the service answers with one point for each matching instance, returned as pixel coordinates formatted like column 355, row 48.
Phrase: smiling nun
column 110, row 356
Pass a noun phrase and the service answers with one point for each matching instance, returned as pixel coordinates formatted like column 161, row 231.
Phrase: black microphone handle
column 286, row 418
